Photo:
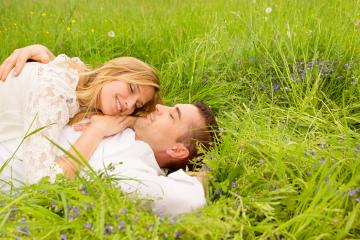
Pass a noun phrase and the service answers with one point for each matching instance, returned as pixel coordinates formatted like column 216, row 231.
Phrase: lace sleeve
column 50, row 104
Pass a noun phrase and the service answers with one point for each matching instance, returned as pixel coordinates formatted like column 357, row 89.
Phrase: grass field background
column 283, row 79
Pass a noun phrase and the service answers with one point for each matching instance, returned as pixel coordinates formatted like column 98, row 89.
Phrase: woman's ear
column 178, row 151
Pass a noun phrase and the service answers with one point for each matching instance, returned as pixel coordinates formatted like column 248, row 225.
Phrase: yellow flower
column 47, row 32
column 32, row 13
column 73, row 21
column 92, row 30
column 68, row 29
column 43, row 14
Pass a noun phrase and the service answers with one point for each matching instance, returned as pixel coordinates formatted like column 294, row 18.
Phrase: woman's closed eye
column 132, row 88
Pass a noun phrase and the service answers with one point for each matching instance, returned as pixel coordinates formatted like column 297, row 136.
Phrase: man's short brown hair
column 203, row 136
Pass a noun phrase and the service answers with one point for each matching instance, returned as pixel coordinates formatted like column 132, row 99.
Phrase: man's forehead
column 189, row 113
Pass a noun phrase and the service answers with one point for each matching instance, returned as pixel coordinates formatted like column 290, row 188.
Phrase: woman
column 46, row 97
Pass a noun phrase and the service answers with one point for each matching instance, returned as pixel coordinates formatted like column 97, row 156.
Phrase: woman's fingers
column 80, row 126
column 7, row 65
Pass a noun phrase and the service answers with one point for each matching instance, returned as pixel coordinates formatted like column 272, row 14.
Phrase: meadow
column 283, row 78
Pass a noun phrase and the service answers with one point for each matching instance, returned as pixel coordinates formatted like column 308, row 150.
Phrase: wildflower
column 68, row 206
column 121, row 225
column 326, row 180
column 322, row 161
column 43, row 14
column 176, row 233
column 87, row 225
column 68, row 29
column 63, row 236
column 161, row 215
column 261, row 160
column 357, row 199
column 315, row 165
column 276, row 87
column 71, row 217
column 352, row 193
column 124, row 211
column 135, row 219
column 233, row 185
column 92, row 30
column 313, row 153
column 353, row 82
column 76, row 209
column 205, row 168
column 73, row 21
column 308, row 172
column 116, row 216
column 165, row 236
column 306, row 154
column 24, row 230
column 91, row 207
column 149, row 227
column 84, row 190
column 322, row 145
column 217, row 192
column 111, row 34
column 32, row 13
column 23, row 220
column 357, row 24
column 268, row 10
column 347, row 66
column 109, row 229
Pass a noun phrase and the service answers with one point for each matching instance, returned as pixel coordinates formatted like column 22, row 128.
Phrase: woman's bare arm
column 19, row 57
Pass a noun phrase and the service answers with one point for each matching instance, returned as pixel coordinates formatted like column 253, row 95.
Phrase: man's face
column 161, row 128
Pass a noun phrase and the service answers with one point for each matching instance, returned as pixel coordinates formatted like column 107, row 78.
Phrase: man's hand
column 106, row 125
column 18, row 58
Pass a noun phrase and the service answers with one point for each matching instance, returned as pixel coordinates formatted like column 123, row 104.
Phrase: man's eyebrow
column 178, row 111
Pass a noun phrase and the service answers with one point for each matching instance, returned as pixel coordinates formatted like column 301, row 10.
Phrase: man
column 171, row 135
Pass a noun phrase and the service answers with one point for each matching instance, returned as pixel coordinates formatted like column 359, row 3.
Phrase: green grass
column 286, row 90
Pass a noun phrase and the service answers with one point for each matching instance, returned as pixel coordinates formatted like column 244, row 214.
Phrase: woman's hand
column 18, row 58
column 106, row 125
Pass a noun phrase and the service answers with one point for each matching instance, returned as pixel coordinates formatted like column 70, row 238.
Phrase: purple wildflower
column 109, row 229
column 217, row 192
column 233, row 185
column 124, row 211
column 84, row 190
column 91, row 207
column 23, row 220
column 326, row 180
column 87, row 225
column 52, row 203
column 68, row 206
column 322, row 161
column 76, row 209
column 121, row 225
column 24, row 230
column 161, row 216
column 315, row 165
column 71, row 217
column 63, row 236
column 313, row 153
column 116, row 216
column 205, row 168
column 276, row 87
column 135, row 219
column 177, row 234
column 306, row 154
column 357, row 199
column 352, row 193
column 347, row 66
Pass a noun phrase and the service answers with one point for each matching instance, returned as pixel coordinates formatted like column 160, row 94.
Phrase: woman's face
column 122, row 98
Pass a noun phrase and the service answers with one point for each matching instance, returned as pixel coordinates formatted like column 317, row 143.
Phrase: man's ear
column 178, row 151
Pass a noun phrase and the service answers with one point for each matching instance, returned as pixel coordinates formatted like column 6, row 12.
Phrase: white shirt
column 42, row 95
column 135, row 166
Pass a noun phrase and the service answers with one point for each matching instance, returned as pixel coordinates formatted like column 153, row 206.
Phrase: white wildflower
column 268, row 10
column 111, row 34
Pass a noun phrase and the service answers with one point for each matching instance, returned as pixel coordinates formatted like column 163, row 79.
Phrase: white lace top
column 46, row 99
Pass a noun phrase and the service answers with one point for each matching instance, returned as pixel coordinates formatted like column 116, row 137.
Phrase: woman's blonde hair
column 127, row 69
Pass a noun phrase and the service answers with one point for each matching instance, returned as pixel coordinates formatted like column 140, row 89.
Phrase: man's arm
column 19, row 57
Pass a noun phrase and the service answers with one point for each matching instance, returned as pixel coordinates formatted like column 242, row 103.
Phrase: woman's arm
column 19, row 57
column 93, row 133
